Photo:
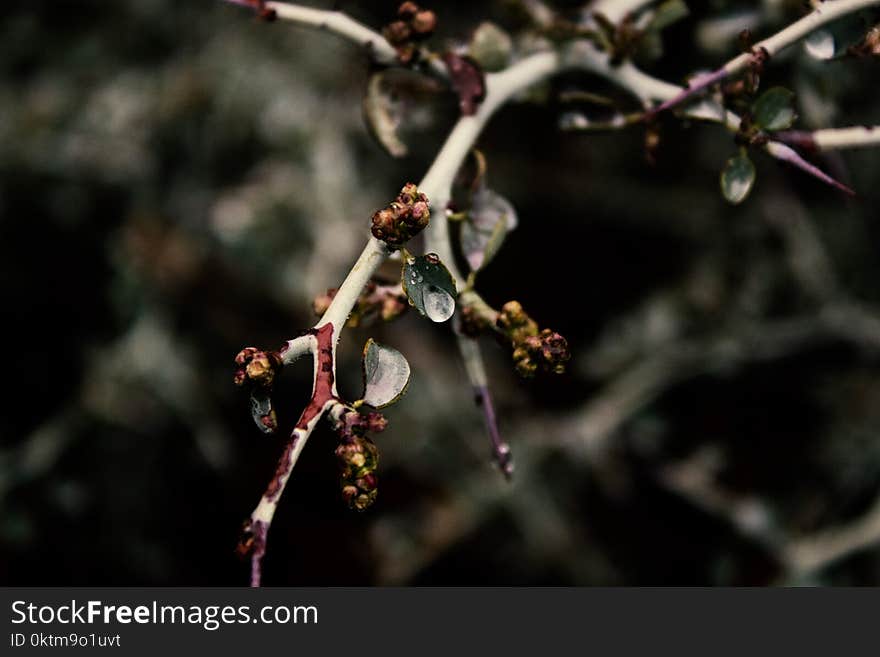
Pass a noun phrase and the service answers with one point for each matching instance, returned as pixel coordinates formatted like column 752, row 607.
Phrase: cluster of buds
column 384, row 301
column 533, row 349
column 358, row 457
column 413, row 24
column 257, row 368
column 403, row 219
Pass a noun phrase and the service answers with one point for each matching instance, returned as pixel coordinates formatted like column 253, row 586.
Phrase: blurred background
column 178, row 180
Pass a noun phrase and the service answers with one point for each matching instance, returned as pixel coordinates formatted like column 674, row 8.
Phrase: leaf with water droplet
column 668, row 13
column 737, row 178
column 386, row 374
column 820, row 45
column 490, row 218
column 429, row 286
column 774, row 110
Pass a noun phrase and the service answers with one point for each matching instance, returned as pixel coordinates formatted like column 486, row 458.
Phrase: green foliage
column 737, row 178
column 429, row 286
column 774, row 110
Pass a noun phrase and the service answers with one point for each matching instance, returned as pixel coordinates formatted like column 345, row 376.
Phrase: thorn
column 787, row 154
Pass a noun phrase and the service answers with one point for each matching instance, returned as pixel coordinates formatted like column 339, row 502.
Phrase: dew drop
column 820, row 45
column 439, row 304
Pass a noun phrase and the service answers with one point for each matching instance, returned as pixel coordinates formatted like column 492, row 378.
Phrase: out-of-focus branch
column 813, row 553
column 617, row 10
column 337, row 22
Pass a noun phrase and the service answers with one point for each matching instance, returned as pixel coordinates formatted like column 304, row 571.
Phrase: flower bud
column 424, row 23
column 403, row 218
column 397, row 33
column 256, row 367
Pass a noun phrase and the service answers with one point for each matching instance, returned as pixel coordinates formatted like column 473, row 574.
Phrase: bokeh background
column 179, row 180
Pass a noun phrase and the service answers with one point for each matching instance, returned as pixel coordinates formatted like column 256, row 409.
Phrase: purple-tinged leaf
column 468, row 81
column 490, row 218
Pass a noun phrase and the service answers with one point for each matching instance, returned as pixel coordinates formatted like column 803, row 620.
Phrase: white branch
column 340, row 24
column 297, row 347
column 837, row 138
column 437, row 183
column 371, row 258
column 823, row 14
column 617, row 10
column 265, row 510
column 813, row 553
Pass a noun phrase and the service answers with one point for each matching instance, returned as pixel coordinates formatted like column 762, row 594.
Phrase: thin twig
column 825, row 13
column 336, row 22
column 832, row 139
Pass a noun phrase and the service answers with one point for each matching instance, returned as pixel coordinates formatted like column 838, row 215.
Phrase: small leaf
column 491, row 46
column 382, row 114
column 468, row 81
column 668, row 13
column 774, row 109
column 737, row 178
column 820, row 45
column 490, row 218
column 429, row 286
column 386, row 374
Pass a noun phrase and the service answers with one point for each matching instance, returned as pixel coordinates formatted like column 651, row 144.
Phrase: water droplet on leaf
column 439, row 305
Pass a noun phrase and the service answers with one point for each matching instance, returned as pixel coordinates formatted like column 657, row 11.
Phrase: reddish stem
column 500, row 449
column 255, row 533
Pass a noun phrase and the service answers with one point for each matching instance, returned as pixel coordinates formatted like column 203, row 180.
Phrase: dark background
column 179, row 180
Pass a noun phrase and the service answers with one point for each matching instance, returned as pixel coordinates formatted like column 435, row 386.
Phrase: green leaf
column 668, row 13
column 737, row 178
column 490, row 218
column 429, row 286
column 386, row 374
column 491, row 46
column 774, row 110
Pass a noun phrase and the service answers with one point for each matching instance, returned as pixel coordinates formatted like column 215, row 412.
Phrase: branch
column 812, row 554
column 322, row 339
column 437, row 183
column 321, row 343
column 336, row 22
column 472, row 357
column 582, row 54
column 616, row 10
column 825, row 13
column 832, row 139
